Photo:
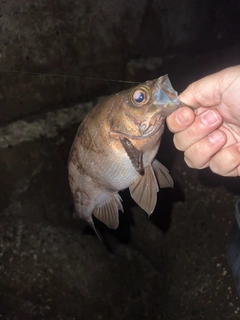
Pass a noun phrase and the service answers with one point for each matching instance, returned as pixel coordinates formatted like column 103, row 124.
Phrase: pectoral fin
column 135, row 155
column 107, row 212
column 162, row 174
column 144, row 190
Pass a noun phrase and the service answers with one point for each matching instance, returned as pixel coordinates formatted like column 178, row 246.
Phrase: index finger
column 180, row 119
column 204, row 92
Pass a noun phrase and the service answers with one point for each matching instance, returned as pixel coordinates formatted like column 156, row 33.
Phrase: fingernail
column 209, row 118
column 181, row 117
column 215, row 136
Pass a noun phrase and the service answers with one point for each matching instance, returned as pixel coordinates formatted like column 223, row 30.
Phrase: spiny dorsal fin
column 107, row 212
column 144, row 190
column 162, row 174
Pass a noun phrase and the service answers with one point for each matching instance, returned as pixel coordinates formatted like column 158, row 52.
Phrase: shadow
column 162, row 215
column 101, row 228
column 123, row 233
column 210, row 179
column 167, row 152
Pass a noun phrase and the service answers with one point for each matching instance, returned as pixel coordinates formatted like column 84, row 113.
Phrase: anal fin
column 107, row 212
column 144, row 190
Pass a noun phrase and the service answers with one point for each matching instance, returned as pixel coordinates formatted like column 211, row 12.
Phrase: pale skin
column 210, row 135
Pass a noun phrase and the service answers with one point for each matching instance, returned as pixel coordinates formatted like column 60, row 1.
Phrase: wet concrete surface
column 171, row 266
column 53, row 267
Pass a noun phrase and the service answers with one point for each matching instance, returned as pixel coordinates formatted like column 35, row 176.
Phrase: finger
column 200, row 153
column 180, row 119
column 227, row 161
column 204, row 124
column 208, row 90
column 204, row 92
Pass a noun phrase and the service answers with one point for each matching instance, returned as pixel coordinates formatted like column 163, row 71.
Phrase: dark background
column 99, row 39
column 171, row 266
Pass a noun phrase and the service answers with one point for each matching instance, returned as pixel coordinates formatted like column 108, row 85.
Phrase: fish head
column 141, row 111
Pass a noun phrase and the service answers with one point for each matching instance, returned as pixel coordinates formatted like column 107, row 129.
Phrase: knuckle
column 197, row 156
column 196, row 152
column 191, row 133
column 182, row 140
column 178, row 142
column 217, row 168
column 190, row 161
column 225, row 162
column 189, row 164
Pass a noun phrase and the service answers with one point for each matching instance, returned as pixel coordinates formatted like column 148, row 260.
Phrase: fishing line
column 64, row 76
column 14, row 13
column 53, row 74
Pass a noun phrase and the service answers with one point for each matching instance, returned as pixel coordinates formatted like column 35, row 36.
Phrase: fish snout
column 166, row 98
column 170, row 107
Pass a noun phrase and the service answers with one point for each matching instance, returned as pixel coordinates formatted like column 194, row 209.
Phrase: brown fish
column 114, row 149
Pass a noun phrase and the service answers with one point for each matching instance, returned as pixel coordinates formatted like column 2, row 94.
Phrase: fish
column 115, row 149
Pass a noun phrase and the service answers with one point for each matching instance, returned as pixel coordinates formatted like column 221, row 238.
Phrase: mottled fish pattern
column 115, row 149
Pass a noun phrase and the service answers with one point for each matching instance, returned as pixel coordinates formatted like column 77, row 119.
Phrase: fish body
column 115, row 148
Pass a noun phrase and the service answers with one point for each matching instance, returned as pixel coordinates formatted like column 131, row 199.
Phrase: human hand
column 210, row 135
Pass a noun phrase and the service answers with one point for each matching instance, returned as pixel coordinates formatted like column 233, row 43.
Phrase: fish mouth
column 171, row 107
column 166, row 97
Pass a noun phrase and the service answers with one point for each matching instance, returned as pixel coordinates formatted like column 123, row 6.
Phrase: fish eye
column 140, row 96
